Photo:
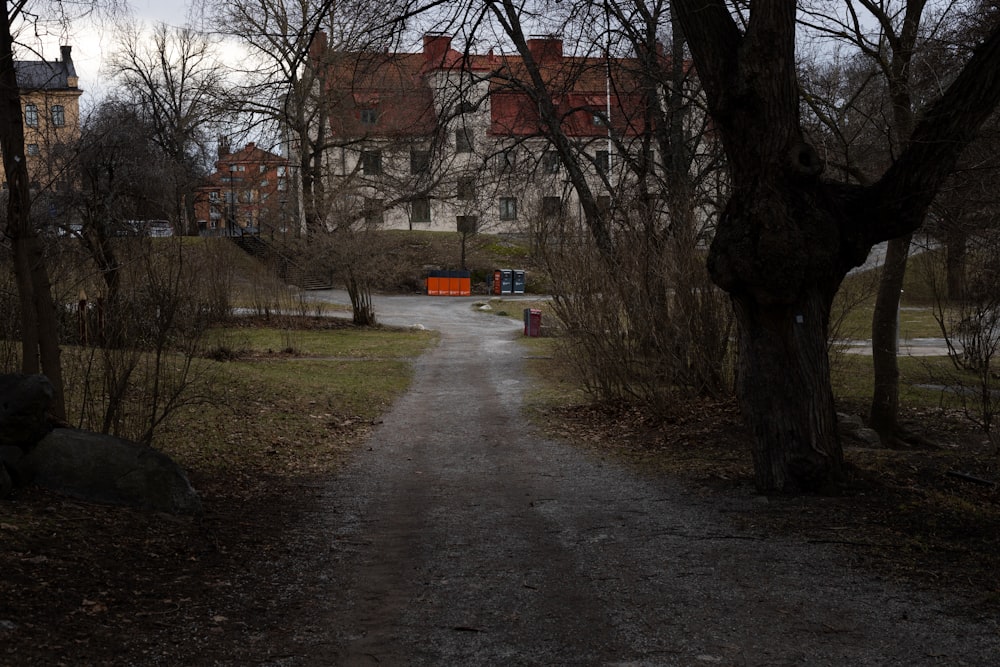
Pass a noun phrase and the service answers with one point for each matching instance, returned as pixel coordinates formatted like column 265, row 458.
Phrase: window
column 420, row 161
column 551, row 207
column 603, row 162
column 281, row 170
column 58, row 115
column 598, row 119
column 550, row 162
column 213, row 196
column 420, row 210
column 262, row 168
column 508, row 208
column 463, row 141
column 31, row 115
column 369, row 116
column 374, row 211
column 467, row 224
column 371, row 162
column 33, row 149
column 466, row 189
column 282, row 184
column 506, row 159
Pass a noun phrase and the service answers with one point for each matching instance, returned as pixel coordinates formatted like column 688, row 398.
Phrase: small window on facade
column 550, row 162
column 603, row 162
column 281, row 170
column 371, row 162
column 31, row 115
column 551, row 207
column 58, row 115
column 506, row 159
column 466, row 189
column 463, row 141
column 282, row 184
column 467, row 224
column 369, row 116
column 508, row 208
column 262, row 168
column 598, row 119
column 420, row 210
column 374, row 211
column 213, row 196
column 33, row 149
column 420, row 161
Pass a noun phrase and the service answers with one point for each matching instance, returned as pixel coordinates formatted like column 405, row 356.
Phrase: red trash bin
column 532, row 322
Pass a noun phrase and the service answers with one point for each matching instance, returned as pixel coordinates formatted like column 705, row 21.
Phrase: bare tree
column 788, row 236
column 174, row 79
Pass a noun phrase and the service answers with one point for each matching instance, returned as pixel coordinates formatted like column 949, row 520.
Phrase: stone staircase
column 290, row 271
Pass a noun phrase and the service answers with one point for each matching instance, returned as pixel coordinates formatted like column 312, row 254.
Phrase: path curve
column 460, row 536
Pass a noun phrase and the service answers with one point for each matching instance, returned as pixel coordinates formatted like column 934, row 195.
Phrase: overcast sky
column 91, row 46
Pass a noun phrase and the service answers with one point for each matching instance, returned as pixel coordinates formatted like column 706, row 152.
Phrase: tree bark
column 783, row 389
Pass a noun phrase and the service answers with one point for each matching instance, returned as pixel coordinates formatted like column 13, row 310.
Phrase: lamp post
column 232, row 200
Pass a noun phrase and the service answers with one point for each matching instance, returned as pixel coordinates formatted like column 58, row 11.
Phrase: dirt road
column 460, row 536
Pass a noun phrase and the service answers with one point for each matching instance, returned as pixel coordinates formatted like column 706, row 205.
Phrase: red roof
column 396, row 88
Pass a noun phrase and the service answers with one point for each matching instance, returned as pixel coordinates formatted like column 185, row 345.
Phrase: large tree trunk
column 885, row 334
column 783, row 387
column 39, row 330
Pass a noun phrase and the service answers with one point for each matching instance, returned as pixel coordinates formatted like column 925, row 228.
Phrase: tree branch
column 903, row 194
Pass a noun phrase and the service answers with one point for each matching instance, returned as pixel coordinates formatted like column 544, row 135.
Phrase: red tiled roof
column 396, row 86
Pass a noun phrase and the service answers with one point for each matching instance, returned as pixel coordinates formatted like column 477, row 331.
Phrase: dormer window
column 369, row 116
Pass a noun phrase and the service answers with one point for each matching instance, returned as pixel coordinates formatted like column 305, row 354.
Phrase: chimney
column 223, row 146
column 547, row 49
column 72, row 80
column 436, row 45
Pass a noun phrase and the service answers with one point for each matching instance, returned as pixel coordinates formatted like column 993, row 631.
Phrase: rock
column 106, row 469
column 24, row 402
column 848, row 424
column 868, row 436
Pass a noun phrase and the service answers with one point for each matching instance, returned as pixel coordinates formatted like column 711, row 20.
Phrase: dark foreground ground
column 288, row 571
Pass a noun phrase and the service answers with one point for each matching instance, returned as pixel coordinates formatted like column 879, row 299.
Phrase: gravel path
column 460, row 536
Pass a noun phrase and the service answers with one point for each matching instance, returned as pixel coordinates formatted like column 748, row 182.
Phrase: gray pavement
column 460, row 536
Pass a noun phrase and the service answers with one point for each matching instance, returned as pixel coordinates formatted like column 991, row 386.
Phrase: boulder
column 24, row 402
column 105, row 469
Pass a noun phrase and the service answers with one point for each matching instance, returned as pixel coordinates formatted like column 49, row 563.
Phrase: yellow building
column 50, row 107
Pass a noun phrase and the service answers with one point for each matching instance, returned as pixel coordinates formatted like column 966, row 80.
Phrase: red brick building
column 247, row 194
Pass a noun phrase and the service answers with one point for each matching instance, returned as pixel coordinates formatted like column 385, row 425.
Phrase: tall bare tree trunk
column 885, row 332
column 40, row 333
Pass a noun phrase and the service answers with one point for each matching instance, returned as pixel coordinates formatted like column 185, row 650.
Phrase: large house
column 443, row 140
column 50, row 99
column 246, row 194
